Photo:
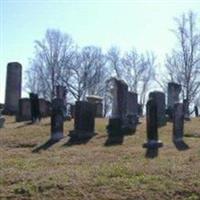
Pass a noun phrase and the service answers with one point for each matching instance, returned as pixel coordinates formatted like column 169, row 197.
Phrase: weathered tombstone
column 13, row 88
column 152, row 126
column 84, row 121
column 159, row 98
column 132, row 110
column 140, row 110
column 2, row 120
column 72, row 110
column 174, row 90
column 118, row 122
column 97, row 101
column 24, row 111
column 178, row 122
column 186, row 109
column 45, row 107
column 57, row 119
column 35, row 109
column 196, row 111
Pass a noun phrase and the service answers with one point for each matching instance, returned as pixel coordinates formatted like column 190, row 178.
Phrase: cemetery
column 96, row 157
column 98, row 101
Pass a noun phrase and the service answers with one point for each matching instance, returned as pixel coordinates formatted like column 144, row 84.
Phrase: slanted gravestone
column 84, row 121
column 159, row 98
column 13, row 88
column 2, row 120
column 57, row 119
column 186, row 109
column 132, row 110
column 35, row 108
column 97, row 101
column 173, row 92
column 178, row 122
column 118, row 122
column 196, row 111
column 152, row 125
column 24, row 111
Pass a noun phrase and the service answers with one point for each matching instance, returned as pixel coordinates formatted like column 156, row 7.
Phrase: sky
column 142, row 24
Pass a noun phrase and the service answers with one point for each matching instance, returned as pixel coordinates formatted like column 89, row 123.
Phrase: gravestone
column 173, row 92
column 186, row 109
column 84, row 121
column 72, row 110
column 35, row 108
column 97, row 101
column 159, row 98
column 13, row 88
column 132, row 110
column 2, row 120
column 45, row 108
column 57, row 119
column 152, row 125
column 178, row 122
column 140, row 110
column 196, row 111
column 24, row 111
column 118, row 122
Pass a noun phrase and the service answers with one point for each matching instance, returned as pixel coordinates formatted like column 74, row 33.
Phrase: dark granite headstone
column 13, row 88
column 186, row 109
column 152, row 125
column 178, row 122
column 97, row 101
column 35, row 108
column 159, row 98
column 84, row 122
column 45, row 108
column 57, row 119
column 196, row 111
column 24, row 112
column 173, row 92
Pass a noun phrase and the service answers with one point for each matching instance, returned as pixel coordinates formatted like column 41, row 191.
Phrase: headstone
column 72, row 110
column 140, row 110
column 45, row 108
column 196, row 111
column 2, row 120
column 159, row 98
column 178, row 122
column 84, row 121
column 13, row 88
column 132, row 110
column 24, row 111
column 152, row 125
column 118, row 122
column 186, row 109
column 97, row 101
column 57, row 119
column 174, row 90
column 35, row 109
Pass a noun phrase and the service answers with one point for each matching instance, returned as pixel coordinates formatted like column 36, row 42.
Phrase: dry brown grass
column 94, row 171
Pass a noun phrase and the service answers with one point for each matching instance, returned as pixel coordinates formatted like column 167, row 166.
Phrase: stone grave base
column 153, row 144
column 56, row 136
column 178, row 139
column 80, row 134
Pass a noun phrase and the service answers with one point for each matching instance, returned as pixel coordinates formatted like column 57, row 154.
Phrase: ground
column 30, row 168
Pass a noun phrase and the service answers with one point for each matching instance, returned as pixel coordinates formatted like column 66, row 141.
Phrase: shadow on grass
column 27, row 124
column 114, row 140
column 181, row 145
column 195, row 135
column 151, row 153
column 45, row 145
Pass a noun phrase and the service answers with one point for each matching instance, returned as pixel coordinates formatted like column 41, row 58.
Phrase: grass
column 94, row 171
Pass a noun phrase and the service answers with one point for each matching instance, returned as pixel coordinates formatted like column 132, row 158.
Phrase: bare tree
column 53, row 56
column 183, row 64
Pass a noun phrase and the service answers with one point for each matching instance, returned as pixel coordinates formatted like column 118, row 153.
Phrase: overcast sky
column 143, row 24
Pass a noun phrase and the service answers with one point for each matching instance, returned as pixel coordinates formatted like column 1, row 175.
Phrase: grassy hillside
column 30, row 168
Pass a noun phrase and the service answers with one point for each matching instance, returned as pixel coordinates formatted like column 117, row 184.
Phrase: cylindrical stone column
column 57, row 119
column 13, row 87
column 178, row 122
